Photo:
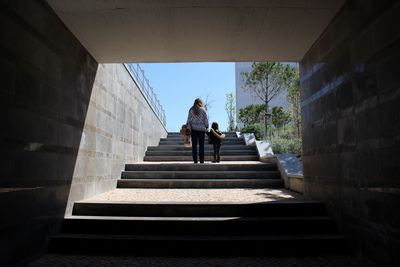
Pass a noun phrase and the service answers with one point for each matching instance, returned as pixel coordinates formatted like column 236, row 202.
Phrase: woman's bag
column 187, row 142
column 185, row 132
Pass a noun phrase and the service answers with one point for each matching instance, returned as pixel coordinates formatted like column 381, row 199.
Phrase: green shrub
column 283, row 145
column 253, row 128
column 284, row 142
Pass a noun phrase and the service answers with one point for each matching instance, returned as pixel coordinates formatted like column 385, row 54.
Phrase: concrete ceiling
column 196, row 30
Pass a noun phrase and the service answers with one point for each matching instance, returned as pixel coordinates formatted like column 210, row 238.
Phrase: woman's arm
column 205, row 118
column 189, row 120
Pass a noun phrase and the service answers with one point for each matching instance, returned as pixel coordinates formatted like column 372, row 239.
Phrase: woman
column 198, row 123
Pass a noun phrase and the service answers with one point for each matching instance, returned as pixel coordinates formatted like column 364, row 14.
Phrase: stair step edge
column 195, row 219
column 245, row 237
column 272, row 203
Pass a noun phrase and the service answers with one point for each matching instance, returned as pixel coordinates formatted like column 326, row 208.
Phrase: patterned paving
column 237, row 195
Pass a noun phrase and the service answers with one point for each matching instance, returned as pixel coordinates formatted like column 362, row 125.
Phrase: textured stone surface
column 351, row 117
column 237, row 195
column 119, row 127
column 193, row 31
column 54, row 103
column 290, row 163
column 46, row 82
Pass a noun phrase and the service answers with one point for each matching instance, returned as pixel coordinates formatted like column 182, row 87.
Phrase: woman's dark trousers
column 198, row 137
column 216, row 152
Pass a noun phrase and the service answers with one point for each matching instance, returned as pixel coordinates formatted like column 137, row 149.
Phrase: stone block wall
column 46, row 83
column 62, row 116
column 350, row 81
column 119, row 126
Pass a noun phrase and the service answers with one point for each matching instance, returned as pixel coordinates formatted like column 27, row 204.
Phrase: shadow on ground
column 105, row 261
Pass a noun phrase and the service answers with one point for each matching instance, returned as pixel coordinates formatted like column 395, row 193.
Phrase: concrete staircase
column 284, row 227
column 222, row 175
column 172, row 149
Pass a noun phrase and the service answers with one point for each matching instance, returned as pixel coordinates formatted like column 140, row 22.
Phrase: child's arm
column 219, row 136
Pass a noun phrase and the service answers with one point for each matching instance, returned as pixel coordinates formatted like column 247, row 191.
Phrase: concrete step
column 189, row 245
column 184, row 209
column 200, row 183
column 206, row 148
column 180, row 142
column 175, row 134
column 180, row 138
column 249, row 166
column 198, row 225
column 157, row 174
column 207, row 158
column 206, row 153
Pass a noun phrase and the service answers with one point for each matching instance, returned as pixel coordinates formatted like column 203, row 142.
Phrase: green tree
column 251, row 114
column 266, row 80
column 279, row 117
column 293, row 98
column 230, row 108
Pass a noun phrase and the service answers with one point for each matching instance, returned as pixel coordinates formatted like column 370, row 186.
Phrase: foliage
column 280, row 117
column 286, row 145
column 230, row 108
column 293, row 98
column 251, row 114
column 266, row 80
column 253, row 128
column 284, row 142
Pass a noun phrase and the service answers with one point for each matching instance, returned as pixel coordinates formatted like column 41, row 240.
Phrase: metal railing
column 137, row 73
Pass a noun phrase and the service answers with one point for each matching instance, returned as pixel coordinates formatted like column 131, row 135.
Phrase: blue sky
column 177, row 85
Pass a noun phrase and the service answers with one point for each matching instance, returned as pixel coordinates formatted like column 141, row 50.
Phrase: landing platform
column 248, row 162
column 236, row 195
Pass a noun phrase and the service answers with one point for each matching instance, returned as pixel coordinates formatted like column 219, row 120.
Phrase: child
column 215, row 137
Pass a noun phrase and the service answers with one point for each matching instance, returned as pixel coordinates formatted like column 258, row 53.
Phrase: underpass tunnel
column 59, row 62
